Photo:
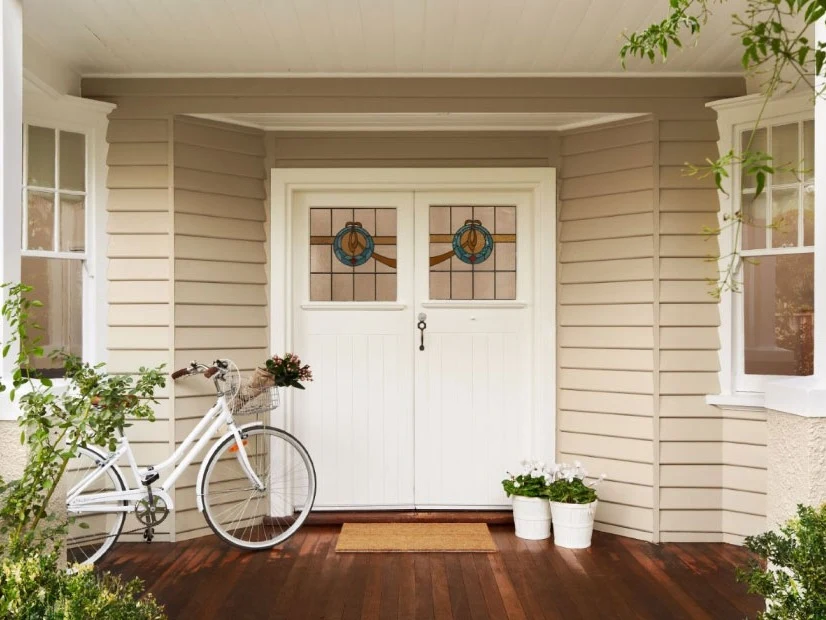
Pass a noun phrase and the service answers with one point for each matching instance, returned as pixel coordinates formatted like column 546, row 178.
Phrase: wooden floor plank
column 527, row 580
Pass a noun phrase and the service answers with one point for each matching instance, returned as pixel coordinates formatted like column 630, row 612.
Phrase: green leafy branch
column 775, row 45
column 94, row 408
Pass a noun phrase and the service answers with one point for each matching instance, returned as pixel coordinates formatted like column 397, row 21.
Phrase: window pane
column 809, row 215
column 785, row 153
column 809, row 150
column 754, row 218
column 352, row 254
column 58, row 285
column 758, row 144
column 41, row 149
column 784, row 218
column 472, row 252
column 72, row 161
column 40, row 214
column 72, row 224
column 778, row 298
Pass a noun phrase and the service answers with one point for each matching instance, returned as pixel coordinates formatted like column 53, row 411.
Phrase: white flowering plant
column 533, row 480
column 569, row 485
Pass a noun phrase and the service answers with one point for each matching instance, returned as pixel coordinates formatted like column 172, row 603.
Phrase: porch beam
column 11, row 159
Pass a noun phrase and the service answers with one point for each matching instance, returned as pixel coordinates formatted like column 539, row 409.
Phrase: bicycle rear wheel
column 251, row 518
column 91, row 534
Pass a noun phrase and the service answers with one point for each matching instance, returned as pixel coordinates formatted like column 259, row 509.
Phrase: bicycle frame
column 218, row 415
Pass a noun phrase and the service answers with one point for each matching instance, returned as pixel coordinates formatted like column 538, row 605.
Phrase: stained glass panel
column 352, row 254
column 472, row 252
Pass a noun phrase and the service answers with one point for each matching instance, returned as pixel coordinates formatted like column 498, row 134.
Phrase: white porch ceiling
column 365, row 37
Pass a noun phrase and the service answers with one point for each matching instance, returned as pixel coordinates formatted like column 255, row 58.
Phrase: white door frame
column 541, row 182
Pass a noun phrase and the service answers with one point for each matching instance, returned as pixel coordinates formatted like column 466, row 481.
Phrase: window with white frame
column 55, row 243
column 775, row 310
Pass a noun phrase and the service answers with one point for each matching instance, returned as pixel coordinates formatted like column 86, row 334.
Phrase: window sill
column 738, row 400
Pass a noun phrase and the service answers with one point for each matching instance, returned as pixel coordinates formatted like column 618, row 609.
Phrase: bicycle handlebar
column 196, row 368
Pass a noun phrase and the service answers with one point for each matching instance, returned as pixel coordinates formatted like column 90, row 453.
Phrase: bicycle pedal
column 234, row 448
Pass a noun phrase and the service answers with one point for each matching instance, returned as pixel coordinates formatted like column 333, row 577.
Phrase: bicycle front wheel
column 258, row 518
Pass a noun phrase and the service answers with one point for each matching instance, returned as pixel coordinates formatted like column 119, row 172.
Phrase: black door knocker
column 422, row 326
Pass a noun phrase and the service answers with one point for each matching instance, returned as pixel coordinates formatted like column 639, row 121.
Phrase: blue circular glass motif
column 353, row 246
column 472, row 243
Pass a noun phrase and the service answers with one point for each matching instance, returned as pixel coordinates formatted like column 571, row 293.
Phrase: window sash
column 56, row 192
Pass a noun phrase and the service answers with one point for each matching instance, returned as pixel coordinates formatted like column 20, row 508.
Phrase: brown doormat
column 415, row 537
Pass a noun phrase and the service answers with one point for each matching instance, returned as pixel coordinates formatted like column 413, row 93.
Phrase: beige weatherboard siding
column 637, row 340
column 220, row 271
column 606, row 332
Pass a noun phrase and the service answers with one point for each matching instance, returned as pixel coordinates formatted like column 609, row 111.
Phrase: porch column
column 797, row 407
column 11, row 173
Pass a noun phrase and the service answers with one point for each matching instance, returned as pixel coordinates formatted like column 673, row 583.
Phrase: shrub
column 34, row 587
column 791, row 571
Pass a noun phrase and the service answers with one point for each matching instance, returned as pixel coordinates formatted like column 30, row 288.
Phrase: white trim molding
column 11, row 164
column 420, row 121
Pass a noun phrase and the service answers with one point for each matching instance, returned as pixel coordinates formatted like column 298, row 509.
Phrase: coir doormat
column 415, row 537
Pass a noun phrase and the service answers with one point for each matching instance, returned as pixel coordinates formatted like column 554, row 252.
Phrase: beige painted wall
column 637, row 331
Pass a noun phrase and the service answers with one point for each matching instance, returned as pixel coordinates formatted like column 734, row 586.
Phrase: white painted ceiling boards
column 392, row 37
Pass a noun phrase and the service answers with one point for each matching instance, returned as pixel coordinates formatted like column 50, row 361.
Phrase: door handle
column 422, row 325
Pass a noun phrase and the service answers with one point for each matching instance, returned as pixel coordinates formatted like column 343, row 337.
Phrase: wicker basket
column 251, row 395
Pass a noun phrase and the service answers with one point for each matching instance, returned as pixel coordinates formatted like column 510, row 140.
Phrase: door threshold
column 337, row 517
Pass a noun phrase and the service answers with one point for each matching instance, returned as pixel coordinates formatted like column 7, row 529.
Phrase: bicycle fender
column 199, row 483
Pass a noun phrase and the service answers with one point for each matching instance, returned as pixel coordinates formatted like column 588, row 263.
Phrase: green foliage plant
column 288, row 371
column 54, row 423
column 790, row 567
column 92, row 409
column 33, row 586
column 569, row 485
column 532, row 481
column 776, row 49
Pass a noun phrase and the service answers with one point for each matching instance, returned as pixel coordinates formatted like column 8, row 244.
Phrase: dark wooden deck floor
column 616, row 578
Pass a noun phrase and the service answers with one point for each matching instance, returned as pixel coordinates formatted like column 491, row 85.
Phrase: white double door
column 390, row 425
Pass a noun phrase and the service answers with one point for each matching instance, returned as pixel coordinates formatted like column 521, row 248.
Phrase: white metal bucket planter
column 573, row 524
column 532, row 517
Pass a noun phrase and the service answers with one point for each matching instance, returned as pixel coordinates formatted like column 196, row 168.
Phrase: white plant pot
column 573, row 524
column 532, row 517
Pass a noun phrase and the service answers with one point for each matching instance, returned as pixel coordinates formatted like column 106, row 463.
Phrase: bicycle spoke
column 252, row 518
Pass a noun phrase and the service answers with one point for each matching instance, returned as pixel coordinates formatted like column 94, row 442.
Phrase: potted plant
column 573, row 505
column 529, row 490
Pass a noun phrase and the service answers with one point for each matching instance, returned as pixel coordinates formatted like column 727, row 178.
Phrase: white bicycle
column 256, row 485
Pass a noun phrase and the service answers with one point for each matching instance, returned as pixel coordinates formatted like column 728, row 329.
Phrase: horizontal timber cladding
column 606, row 332
column 712, row 461
column 139, row 249
column 220, row 267
column 637, row 337
column 412, row 149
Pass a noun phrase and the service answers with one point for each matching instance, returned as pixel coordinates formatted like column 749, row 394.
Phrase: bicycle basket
column 250, row 395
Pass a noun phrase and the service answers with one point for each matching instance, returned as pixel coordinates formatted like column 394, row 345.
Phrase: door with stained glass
column 353, row 321
column 474, row 376
column 415, row 310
